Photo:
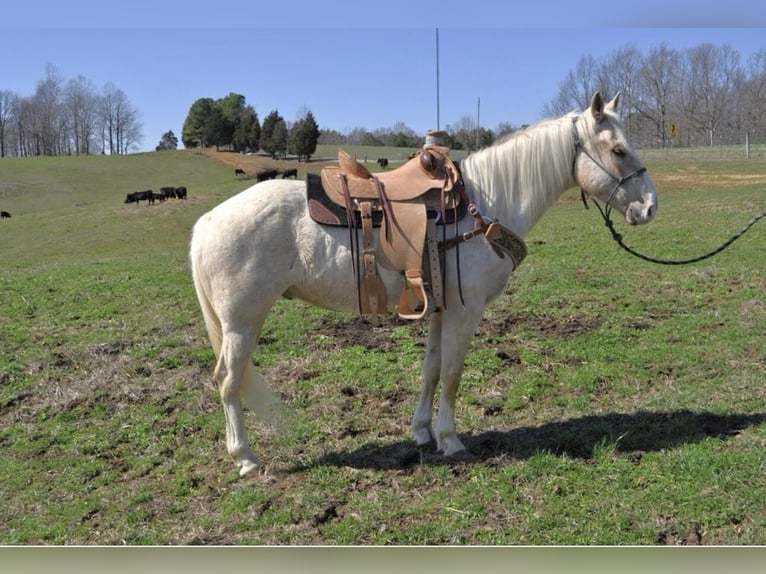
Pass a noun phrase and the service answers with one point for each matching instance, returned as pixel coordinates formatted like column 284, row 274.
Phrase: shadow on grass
column 630, row 434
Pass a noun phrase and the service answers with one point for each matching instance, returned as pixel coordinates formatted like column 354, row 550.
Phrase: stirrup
column 414, row 291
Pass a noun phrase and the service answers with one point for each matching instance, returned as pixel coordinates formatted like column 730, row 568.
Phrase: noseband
column 618, row 181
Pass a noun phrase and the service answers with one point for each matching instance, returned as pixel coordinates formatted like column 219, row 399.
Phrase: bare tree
column 81, row 104
column 576, row 89
column 49, row 118
column 8, row 109
column 653, row 97
column 707, row 86
column 621, row 73
column 754, row 93
column 120, row 126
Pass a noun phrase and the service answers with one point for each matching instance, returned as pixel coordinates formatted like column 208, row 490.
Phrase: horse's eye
column 618, row 150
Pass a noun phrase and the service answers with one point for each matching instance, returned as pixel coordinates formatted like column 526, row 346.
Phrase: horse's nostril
column 650, row 212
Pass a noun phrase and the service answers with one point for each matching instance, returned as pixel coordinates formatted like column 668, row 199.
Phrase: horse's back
column 251, row 232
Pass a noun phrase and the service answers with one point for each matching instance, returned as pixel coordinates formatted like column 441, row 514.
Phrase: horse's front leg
column 421, row 421
column 458, row 327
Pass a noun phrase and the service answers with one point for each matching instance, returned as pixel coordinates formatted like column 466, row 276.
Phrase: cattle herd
column 270, row 173
column 150, row 197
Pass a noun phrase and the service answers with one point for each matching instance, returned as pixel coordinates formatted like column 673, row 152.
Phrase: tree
column 708, row 86
column 48, row 116
column 303, row 137
column 81, row 104
column 269, row 143
column 8, row 109
column 279, row 138
column 653, row 99
column 169, row 141
column 503, row 129
column 196, row 129
column 230, row 110
column 121, row 129
column 576, row 89
column 247, row 134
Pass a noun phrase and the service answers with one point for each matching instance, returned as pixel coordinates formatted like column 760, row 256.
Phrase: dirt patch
column 252, row 164
column 360, row 331
column 546, row 326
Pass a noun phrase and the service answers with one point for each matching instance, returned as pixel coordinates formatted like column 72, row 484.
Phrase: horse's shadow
column 631, row 434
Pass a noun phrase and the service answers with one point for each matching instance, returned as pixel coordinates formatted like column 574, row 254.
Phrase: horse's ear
column 612, row 106
column 597, row 106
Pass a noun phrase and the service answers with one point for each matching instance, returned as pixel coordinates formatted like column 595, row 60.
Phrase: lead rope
column 606, row 214
column 618, row 238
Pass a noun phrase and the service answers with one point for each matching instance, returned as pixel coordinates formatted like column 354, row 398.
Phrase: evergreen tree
column 279, row 138
column 267, row 132
column 247, row 134
column 230, row 110
column 197, row 125
column 168, row 141
column 304, row 136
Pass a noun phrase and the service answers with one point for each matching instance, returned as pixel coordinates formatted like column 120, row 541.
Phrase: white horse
column 262, row 244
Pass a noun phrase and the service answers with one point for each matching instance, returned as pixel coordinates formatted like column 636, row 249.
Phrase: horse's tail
column 253, row 388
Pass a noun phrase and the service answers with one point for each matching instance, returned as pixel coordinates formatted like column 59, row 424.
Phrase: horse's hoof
column 423, row 437
column 451, row 446
column 249, row 467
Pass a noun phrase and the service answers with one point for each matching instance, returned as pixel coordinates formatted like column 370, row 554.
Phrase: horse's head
column 606, row 167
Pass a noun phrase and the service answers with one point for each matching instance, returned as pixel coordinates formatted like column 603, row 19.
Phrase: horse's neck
column 517, row 180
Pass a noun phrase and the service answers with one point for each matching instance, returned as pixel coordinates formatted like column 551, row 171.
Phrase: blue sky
column 351, row 66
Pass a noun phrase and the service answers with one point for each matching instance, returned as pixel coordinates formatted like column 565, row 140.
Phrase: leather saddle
column 399, row 202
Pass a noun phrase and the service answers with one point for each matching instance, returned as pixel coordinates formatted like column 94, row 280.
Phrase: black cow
column 181, row 192
column 167, row 192
column 138, row 196
column 5, row 215
column 265, row 174
column 292, row 172
column 239, row 171
column 383, row 162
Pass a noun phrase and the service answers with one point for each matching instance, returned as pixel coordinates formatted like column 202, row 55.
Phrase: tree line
column 701, row 96
column 68, row 117
column 231, row 123
column 704, row 95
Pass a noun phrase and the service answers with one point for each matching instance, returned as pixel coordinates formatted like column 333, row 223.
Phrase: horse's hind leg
column 421, row 421
column 236, row 350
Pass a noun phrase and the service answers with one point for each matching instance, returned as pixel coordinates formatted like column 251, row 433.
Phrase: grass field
column 605, row 400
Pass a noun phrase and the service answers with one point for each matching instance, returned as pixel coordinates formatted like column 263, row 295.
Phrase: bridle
column 618, row 181
column 606, row 212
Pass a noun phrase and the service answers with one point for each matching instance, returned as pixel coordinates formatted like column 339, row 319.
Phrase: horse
column 290, row 172
column 261, row 245
column 383, row 162
column 5, row 215
column 239, row 171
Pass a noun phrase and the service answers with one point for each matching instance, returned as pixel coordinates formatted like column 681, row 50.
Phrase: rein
column 607, row 212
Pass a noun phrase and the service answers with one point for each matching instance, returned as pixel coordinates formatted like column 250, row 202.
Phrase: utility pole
column 478, row 123
column 438, row 124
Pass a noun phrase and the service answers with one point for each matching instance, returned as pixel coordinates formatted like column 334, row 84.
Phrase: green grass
column 605, row 400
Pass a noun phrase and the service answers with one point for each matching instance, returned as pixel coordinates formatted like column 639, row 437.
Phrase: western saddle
column 399, row 202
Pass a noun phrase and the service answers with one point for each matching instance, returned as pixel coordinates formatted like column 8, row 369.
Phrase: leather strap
column 369, row 266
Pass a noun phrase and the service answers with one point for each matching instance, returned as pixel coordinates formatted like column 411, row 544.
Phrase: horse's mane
column 525, row 171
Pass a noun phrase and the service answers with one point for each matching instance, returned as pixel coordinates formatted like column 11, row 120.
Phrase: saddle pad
column 325, row 211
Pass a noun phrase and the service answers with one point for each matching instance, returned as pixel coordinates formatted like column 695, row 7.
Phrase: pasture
column 605, row 400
